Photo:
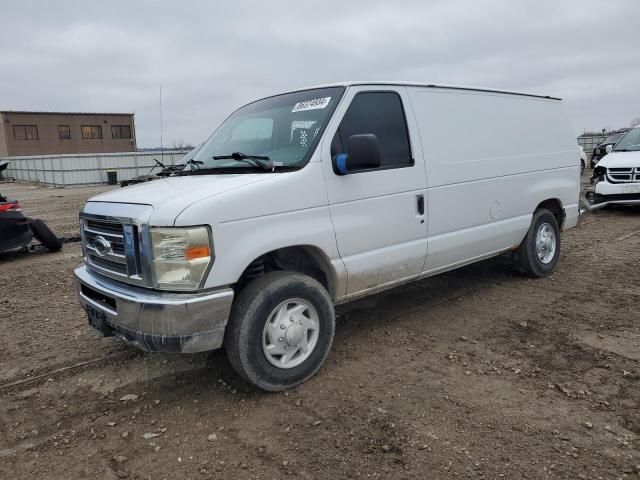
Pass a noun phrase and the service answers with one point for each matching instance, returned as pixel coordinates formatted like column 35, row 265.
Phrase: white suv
column 617, row 174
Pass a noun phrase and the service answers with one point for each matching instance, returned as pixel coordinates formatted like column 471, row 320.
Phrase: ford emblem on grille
column 102, row 246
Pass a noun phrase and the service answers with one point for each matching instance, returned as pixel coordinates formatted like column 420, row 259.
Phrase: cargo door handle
column 420, row 200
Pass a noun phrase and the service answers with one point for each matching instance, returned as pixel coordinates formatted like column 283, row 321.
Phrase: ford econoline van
column 318, row 196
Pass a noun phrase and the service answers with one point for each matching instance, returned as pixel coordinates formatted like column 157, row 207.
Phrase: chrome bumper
column 602, row 201
column 600, row 205
column 152, row 320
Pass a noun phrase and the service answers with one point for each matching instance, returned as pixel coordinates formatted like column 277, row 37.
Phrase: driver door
column 378, row 214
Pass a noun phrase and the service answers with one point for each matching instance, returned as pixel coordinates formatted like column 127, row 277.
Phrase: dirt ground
column 477, row 373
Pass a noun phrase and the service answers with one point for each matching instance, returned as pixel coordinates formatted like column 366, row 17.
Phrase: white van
column 318, row 196
column 617, row 174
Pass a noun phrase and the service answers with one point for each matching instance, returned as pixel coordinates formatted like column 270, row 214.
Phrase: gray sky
column 213, row 56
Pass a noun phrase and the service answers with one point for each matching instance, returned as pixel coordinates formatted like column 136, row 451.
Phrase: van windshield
column 630, row 142
column 280, row 132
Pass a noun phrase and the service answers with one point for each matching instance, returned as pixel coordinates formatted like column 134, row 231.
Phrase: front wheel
column 280, row 330
column 540, row 250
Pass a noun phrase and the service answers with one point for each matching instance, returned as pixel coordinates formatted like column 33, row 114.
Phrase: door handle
column 420, row 199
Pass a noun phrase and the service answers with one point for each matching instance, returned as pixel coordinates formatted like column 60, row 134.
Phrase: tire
column 528, row 254
column 248, row 336
column 44, row 235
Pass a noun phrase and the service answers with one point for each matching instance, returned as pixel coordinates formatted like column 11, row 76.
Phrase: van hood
column 620, row 160
column 170, row 196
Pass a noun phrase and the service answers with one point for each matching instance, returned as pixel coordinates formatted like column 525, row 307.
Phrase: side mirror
column 363, row 152
column 609, row 148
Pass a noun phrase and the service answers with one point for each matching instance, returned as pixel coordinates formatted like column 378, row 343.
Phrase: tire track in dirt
column 64, row 369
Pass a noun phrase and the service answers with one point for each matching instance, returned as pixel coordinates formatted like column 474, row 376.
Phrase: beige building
column 53, row 133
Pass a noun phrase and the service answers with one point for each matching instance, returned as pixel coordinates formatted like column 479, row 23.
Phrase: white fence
column 86, row 169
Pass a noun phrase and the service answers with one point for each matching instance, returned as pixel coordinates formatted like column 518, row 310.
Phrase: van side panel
column 469, row 136
column 491, row 159
column 464, row 221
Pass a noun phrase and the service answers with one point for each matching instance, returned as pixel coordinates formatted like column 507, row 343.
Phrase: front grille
column 111, row 247
column 623, row 175
column 112, row 266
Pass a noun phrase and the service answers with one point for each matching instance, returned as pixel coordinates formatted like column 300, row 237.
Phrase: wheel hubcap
column 290, row 333
column 545, row 243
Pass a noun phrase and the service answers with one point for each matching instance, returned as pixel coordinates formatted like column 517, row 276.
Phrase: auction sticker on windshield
column 315, row 104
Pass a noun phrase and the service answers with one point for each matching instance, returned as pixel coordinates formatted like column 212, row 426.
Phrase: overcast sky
column 212, row 57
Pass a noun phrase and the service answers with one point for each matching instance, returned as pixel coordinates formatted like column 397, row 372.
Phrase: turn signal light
column 192, row 253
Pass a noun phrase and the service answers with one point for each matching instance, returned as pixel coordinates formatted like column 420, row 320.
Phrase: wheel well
column 554, row 206
column 303, row 259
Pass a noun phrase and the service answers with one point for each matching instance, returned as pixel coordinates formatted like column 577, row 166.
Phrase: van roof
column 424, row 84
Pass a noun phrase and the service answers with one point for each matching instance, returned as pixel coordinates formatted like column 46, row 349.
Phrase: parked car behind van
column 617, row 175
column 319, row 196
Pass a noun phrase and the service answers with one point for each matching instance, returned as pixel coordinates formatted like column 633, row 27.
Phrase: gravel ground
column 477, row 373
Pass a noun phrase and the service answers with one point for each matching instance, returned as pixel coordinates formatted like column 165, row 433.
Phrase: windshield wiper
column 253, row 160
column 195, row 163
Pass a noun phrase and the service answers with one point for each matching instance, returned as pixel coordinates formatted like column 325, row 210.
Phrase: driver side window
column 381, row 114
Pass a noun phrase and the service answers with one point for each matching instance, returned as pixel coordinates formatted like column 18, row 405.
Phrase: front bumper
column 151, row 320
column 597, row 200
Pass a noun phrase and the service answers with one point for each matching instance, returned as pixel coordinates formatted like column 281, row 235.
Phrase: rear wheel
column 44, row 235
column 540, row 250
column 280, row 330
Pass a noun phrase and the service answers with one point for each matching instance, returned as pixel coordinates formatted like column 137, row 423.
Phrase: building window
column 91, row 131
column 120, row 131
column 25, row 132
column 64, row 132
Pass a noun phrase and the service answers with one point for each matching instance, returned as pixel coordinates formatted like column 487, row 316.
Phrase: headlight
column 180, row 257
column 598, row 174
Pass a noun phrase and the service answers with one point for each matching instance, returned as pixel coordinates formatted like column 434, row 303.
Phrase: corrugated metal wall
column 91, row 169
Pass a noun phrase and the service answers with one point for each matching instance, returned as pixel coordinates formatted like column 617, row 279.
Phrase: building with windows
column 55, row 133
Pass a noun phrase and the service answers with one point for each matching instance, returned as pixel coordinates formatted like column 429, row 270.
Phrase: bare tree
column 181, row 145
